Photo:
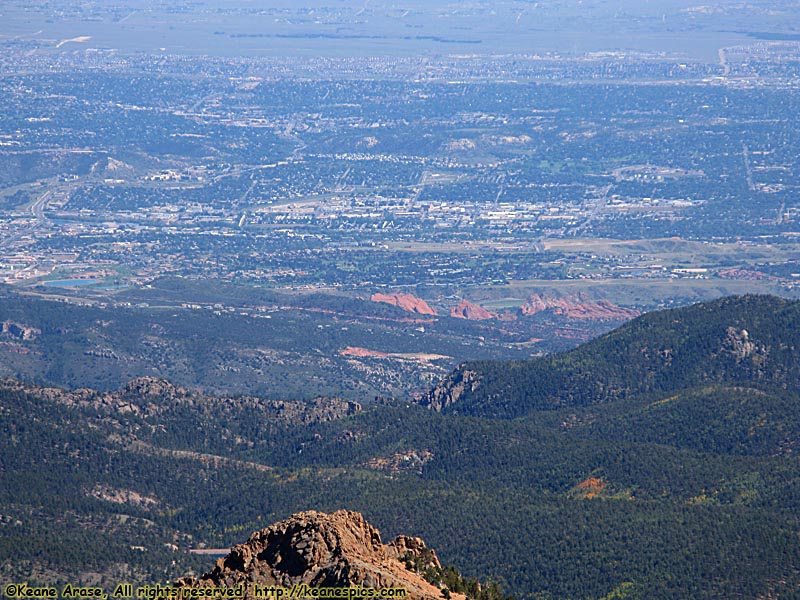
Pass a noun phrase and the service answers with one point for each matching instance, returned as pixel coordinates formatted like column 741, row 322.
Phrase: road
column 37, row 208
column 37, row 211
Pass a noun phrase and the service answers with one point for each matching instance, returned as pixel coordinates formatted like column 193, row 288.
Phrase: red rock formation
column 472, row 312
column 406, row 302
column 535, row 304
column 591, row 487
column 323, row 550
column 578, row 307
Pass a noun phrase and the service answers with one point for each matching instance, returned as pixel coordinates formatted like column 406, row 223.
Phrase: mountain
column 648, row 485
column 336, row 550
column 748, row 341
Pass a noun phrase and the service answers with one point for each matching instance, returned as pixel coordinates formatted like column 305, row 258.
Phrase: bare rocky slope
column 405, row 301
column 577, row 307
column 471, row 312
column 338, row 550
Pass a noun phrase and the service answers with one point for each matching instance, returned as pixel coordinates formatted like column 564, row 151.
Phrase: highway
column 37, row 208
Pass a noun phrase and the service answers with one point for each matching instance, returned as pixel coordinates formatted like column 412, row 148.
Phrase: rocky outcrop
column 153, row 397
column 153, row 387
column 472, row 312
column 20, row 331
column 577, row 307
column 591, row 487
column 409, row 461
column 112, row 168
column 738, row 343
column 536, row 304
column 406, row 302
column 155, row 394
column 413, row 551
column 323, row 550
column 455, row 386
column 318, row 410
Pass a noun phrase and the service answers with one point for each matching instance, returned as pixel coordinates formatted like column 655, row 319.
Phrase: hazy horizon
column 413, row 28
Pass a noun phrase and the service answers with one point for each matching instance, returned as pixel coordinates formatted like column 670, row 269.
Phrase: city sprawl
column 361, row 173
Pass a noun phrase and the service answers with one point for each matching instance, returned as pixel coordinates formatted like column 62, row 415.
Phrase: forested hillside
column 666, row 492
column 748, row 340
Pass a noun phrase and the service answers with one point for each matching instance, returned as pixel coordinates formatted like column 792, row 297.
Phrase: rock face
column 150, row 387
column 472, row 312
column 323, row 550
column 406, row 302
column 738, row 342
column 578, row 307
column 452, row 389
column 20, row 331
column 112, row 167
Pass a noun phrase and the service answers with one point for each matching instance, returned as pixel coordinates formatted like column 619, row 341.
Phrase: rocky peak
column 339, row 549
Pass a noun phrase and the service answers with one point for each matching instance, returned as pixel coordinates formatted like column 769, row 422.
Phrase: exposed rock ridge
column 406, row 302
column 472, row 312
column 738, row 342
column 455, row 386
column 577, row 307
column 150, row 396
column 322, row 550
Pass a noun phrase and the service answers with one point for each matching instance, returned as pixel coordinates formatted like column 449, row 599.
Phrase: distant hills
column 657, row 461
column 749, row 341
column 224, row 338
